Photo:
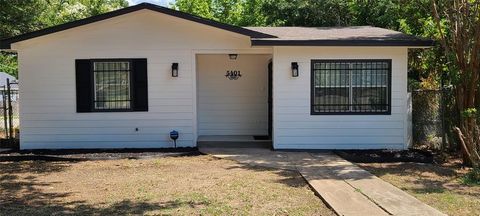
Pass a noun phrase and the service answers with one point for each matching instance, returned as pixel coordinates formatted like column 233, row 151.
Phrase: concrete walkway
column 348, row 189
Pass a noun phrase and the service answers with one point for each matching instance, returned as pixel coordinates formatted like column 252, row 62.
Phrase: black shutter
column 83, row 78
column 140, row 87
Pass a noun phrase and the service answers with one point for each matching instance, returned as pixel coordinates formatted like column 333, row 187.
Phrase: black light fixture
column 175, row 70
column 294, row 69
column 233, row 56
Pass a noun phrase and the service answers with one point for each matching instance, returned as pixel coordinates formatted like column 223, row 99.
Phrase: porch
column 234, row 95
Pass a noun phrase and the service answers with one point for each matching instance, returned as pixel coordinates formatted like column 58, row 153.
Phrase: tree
column 234, row 12
column 252, row 14
column 307, row 12
column 62, row 11
column 22, row 16
column 458, row 22
column 201, row 8
column 8, row 63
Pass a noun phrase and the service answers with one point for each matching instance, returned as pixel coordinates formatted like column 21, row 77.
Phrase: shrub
column 473, row 177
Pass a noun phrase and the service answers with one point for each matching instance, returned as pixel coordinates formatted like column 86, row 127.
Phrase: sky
column 158, row 2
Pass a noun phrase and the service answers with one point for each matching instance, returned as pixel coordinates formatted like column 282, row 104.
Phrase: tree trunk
column 458, row 25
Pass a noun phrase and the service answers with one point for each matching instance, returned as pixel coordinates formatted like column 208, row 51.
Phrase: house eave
column 340, row 42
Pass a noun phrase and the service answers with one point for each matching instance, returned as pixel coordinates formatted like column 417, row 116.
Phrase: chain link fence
column 10, row 121
column 428, row 128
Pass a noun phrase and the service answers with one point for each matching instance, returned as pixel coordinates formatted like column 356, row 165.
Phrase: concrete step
column 236, row 144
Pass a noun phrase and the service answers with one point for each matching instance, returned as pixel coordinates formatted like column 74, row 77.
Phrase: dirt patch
column 193, row 185
column 438, row 185
column 386, row 156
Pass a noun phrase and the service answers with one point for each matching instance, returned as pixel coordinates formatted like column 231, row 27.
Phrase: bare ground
column 439, row 186
column 194, row 185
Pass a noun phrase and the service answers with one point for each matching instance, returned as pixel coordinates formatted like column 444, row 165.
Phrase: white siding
column 47, row 74
column 232, row 107
column 47, row 89
column 295, row 128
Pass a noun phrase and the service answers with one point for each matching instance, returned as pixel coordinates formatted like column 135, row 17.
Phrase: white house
column 127, row 78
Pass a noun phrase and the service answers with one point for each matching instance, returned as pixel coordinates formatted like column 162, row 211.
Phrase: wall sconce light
column 294, row 69
column 233, row 56
column 174, row 69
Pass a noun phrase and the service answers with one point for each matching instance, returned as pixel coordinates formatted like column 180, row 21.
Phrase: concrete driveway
column 346, row 188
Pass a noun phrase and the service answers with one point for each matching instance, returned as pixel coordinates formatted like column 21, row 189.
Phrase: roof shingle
column 336, row 36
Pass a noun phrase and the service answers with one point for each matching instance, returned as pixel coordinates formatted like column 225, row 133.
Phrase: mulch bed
column 9, row 143
column 95, row 154
column 386, row 156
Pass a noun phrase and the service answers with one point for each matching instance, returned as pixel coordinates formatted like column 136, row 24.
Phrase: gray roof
column 330, row 33
column 335, row 36
column 260, row 36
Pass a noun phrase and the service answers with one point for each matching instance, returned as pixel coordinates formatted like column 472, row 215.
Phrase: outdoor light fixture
column 175, row 70
column 233, row 56
column 294, row 69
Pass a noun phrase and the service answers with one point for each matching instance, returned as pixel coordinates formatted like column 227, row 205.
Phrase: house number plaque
column 233, row 75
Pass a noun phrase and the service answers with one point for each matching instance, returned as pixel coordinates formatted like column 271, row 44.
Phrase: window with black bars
column 112, row 89
column 351, row 86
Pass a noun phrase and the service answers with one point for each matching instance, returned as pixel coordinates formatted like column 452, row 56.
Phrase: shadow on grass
column 126, row 207
column 425, row 178
column 289, row 177
column 22, row 193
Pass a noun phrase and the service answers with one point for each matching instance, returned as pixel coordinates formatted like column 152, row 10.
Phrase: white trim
column 193, row 57
column 274, row 89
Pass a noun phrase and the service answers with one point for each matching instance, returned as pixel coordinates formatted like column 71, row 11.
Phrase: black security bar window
column 351, row 87
column 112, row 86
